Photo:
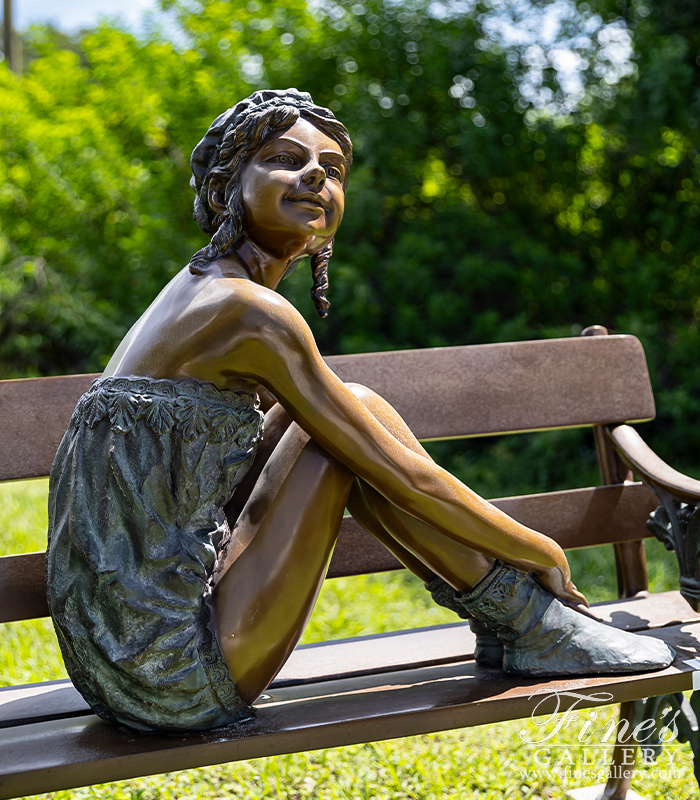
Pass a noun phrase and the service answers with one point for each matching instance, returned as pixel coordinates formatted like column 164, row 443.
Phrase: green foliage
column 475, row 213
column 486, row 203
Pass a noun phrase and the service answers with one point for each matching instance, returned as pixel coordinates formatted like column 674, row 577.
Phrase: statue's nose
column 315, row 176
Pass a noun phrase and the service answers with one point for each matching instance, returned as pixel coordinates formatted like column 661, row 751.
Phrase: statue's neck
column 260, row 266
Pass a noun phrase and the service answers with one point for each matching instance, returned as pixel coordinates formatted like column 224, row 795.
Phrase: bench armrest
column 651, row 469
column 676, row 522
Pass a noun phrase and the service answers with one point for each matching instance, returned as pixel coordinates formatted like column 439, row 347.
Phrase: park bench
column 407, row 682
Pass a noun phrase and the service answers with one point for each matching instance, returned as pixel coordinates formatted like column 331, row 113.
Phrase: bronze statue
column 169, row 617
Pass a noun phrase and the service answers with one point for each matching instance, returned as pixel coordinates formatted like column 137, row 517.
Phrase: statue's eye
column 283, row 158
column 333, row 172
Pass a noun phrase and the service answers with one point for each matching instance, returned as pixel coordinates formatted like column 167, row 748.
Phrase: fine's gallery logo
column 589, row 734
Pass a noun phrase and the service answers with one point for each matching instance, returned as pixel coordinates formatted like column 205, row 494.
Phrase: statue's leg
column 460, row 565
column 421, row 548
column 270, row 572
column 276, row 423
column 532, row 627
column 270, row 575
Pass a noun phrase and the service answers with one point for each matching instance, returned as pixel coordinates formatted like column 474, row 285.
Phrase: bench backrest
column 442, row 393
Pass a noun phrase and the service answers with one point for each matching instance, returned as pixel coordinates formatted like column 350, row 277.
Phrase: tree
column 508, row 183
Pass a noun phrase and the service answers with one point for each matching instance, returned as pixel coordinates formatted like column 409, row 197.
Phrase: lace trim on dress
column 216, row 669
column 192, row 407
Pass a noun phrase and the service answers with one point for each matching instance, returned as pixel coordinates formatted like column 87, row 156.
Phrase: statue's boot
column 488, row 651
column 543, row 637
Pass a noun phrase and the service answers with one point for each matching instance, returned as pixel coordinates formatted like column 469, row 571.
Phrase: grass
column 484, row 762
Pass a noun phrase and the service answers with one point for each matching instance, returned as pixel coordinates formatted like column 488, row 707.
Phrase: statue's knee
column 362, row 392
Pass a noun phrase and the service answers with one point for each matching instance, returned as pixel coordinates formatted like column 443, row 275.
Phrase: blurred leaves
column 522, row 170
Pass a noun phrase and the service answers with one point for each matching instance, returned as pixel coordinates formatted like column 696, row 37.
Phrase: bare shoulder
column 261, row 311
column 253, row 331
column 198, row 327
column 200, row 304
column 259, row 300
column 230, row 328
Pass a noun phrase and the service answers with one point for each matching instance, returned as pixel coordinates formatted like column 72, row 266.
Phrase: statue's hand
column 557, row 580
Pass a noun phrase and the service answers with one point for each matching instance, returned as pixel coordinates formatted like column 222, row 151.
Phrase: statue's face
column 292, row 190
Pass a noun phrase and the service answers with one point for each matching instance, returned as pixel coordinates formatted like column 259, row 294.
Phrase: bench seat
column 407, row 682
column 399, row 684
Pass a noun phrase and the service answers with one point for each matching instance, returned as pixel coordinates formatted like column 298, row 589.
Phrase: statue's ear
column 216, row 196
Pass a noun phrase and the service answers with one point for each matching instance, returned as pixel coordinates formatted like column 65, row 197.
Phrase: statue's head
column 220, row 159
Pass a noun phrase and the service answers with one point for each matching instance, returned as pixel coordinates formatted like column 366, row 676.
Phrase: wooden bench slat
column 361, row 655
column 364, row 655
column 586, row 517
column 39, row 702
column 34, row 415
column 45, row 756
column 511, row 387
column 22, row 587
column 505, row 388
column 574, row 518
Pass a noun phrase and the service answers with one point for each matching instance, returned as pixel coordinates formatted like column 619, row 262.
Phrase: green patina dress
column 136, row 522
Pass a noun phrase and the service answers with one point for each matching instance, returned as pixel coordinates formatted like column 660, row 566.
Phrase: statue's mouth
column 311, row 198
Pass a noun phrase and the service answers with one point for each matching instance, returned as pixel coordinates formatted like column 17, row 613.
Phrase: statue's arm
column 271, row 343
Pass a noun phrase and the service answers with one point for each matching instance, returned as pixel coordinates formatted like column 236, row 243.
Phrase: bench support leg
column 686, row 718
column 624, row 755
column 623, row 760
column 669, row 719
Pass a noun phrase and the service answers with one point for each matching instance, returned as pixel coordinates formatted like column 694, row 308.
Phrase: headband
column 205, row 153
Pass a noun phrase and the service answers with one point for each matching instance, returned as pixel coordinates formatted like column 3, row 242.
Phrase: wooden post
column 630, row 562
column 11, row 46
column 630, row 558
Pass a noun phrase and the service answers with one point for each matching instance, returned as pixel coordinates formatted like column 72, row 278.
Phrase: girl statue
column 170, row 617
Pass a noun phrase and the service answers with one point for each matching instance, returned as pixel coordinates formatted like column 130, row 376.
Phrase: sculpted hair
column 236, row 147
